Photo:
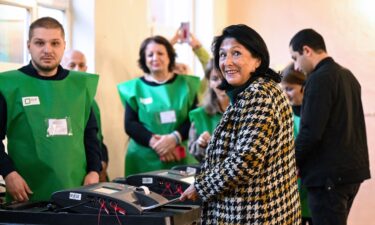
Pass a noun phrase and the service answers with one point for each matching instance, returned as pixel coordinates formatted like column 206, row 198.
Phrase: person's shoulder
column 130, row 86
column 262, row 84
column 9, row 73
column 188, row 77
column 197, row 111
column 262, row 88
column 80, row 73
column 131, row 81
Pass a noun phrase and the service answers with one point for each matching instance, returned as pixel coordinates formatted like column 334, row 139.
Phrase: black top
column 135, row 129
column 92, row 148
column 296, row 110
column 331, row 147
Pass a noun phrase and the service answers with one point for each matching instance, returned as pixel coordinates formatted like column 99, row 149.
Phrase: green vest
column 161, row 109
column 46, row 120
column 296, row 121
column 302, row 190
column 203, row 121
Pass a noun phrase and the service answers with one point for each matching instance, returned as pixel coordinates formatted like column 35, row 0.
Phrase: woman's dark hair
column 253, row 42
column 291, row 76
column 159, row 40
column 210, row 101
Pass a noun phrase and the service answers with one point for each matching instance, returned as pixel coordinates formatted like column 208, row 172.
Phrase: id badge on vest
column 58, row 127
column 168, row 117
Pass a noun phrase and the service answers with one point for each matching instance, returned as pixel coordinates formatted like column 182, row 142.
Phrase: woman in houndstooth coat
column 249, row 174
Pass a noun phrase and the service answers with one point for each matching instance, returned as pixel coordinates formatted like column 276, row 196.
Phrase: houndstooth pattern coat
column 249, row 175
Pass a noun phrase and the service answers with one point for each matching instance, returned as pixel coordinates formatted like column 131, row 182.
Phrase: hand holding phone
column 185, row 32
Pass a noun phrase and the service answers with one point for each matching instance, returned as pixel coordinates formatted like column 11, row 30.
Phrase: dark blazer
column 331, row 147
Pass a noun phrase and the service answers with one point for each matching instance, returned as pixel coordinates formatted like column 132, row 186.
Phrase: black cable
column 73, row 206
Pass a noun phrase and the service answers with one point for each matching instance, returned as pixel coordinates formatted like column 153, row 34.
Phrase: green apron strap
column 203, row 121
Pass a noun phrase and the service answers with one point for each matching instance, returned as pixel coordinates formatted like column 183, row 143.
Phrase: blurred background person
column 202, row 54
column 292, row 83
column 204, row 119
column 249, row 175
column 156, row 110
column 76, row 60
column 196, row 46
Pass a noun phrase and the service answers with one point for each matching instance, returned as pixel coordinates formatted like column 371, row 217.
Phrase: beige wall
column 120, row 27
column 348, row 27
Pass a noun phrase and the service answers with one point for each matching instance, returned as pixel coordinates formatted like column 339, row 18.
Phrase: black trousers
column 330, row 205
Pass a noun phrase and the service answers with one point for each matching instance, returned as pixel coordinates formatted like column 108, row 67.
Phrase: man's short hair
column 48, row 23
column 307, row 37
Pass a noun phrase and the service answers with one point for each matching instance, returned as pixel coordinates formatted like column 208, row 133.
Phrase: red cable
column 102, row 205
column 167, row 188
column 117, row 209
column 178, row 189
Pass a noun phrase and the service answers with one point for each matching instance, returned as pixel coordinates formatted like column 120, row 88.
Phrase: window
column 15, row 18
column 14, row 22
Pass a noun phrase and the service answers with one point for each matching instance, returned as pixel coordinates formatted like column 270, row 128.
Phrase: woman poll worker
column 156, row 110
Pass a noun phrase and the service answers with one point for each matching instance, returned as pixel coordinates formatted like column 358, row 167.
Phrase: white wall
column 83, row 30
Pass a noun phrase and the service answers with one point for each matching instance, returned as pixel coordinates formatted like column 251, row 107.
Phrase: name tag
column 57, row 127
column 146, row 101
column 31, row 100
column 168, row 116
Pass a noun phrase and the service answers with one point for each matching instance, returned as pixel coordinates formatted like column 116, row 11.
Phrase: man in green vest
column 76, row 60
column 45, row 113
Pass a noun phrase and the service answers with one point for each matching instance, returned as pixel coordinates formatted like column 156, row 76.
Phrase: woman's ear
column 257, row 63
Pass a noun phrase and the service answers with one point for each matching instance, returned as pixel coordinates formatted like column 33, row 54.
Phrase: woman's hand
column 165, row 144
column 204, row 139
column 91, row 178
column 189, row 193
column 153, row 140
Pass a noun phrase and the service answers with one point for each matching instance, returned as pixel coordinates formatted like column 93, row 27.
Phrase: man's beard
column 45, row 68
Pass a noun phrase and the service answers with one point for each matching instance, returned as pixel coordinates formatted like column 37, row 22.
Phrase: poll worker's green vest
column 46, row 120
column 204, row 121
column 161, row 109
column 302, row 190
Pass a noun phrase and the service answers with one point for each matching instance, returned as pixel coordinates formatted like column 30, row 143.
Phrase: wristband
column 177, row 137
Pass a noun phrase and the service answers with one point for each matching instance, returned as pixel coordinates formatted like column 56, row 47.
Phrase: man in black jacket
column 331, row 148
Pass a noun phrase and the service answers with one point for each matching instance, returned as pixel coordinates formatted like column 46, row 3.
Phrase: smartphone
column 185, row 32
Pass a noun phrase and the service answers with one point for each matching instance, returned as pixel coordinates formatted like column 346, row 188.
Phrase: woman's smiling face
column 236, row 62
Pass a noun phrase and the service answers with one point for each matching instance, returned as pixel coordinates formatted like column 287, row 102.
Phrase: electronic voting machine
column 112, row 197
column 168, row 183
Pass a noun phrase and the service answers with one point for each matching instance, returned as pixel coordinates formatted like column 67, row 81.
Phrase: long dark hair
column 253, row 42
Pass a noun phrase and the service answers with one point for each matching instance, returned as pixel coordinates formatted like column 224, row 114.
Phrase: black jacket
column 331, row 147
